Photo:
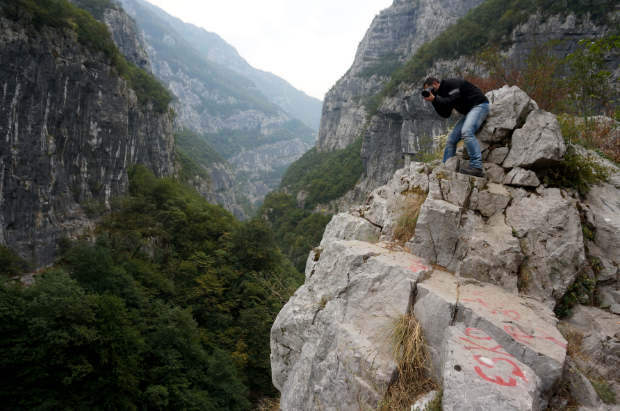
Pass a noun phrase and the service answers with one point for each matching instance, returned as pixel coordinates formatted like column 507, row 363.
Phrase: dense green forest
column 231, row 142
column 61, row 14
column 169, row 308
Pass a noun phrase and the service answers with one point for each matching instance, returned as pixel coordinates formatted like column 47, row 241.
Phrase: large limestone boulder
column 344, row 226
column 601, row 340
column 538, row 143
column 328, row 344
column 491, row 253
column 479, row 375
column 548, row 227
column 522, row 328
column 385, row 205
column 510, row 107
column 604, row 203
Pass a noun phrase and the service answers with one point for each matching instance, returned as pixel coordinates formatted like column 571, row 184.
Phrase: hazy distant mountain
column 297, row 103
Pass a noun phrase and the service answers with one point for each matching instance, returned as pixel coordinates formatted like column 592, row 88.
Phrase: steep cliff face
column 71, row 127
column 261, row 169
column 128, row 37
column 394, row 35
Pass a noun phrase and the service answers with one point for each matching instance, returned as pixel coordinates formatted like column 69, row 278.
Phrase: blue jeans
column 466, row 129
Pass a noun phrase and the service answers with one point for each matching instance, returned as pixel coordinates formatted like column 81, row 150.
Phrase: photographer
column 467, row 99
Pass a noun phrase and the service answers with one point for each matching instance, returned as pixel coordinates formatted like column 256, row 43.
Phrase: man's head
column 432, row 82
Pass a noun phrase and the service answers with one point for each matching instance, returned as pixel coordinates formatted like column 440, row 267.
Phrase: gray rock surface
column 580, row 387
column 549, row 230
column 601, row 340
column 71, row 128
column 521, row 177
column 604, row 203
column 328, row 343
column 422, row 403
column 478, row 376
column 347, row 227
column 538, row 143
column 522, row 328
column 510, row 107
column 128, row 37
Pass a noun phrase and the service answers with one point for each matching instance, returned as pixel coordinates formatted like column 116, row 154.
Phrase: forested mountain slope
column 224, row 107
column 293, row 101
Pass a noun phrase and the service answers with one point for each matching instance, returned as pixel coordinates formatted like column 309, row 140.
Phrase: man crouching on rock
column 467, row 99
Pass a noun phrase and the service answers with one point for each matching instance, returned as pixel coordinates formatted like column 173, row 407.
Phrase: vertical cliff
column 393, row 37
column 70, row 128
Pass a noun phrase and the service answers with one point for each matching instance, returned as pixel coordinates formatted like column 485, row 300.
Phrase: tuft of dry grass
column 268, row 404
column 574, row 337
column 405, row 229
column 408, row 347
column 599, row 133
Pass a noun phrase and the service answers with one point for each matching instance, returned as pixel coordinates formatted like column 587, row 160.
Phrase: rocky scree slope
column 393, row 37
column 71, row 129
column 489, row 261
column 221, row 105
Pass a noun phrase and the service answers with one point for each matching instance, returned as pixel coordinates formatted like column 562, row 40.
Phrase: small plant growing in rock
column 605, row 392
column 408, row 347
column 405, row 228
column 578, row 293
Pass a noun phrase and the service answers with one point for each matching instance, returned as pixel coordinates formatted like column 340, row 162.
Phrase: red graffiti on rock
column 417, row 266
column 481, row 345
column 512, row 382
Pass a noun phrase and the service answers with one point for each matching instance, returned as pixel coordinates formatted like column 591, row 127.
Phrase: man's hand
column 429, row 98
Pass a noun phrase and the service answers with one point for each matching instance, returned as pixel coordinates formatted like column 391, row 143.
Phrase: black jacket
column 456, row 93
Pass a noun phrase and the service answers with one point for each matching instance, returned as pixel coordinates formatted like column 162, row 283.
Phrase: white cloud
column 311, row 44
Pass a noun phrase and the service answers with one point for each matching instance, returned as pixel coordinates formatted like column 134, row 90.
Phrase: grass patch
column 605, row 392
column 405, row 229
column 574, row 337
column 408, row 347
column 599, row 134
column 268, row 404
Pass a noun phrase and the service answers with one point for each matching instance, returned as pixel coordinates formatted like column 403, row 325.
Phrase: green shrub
column 605, row 392
column 578, row 293
column 575, row 172
column 11, row 263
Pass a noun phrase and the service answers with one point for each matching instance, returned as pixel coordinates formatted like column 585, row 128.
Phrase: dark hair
column 429, row 81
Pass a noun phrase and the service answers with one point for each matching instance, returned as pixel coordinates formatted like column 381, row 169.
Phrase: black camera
column 427, row 92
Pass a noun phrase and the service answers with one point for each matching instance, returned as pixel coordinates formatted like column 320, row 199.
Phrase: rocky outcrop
column 503, row 256
column 128, row 37
column 71, row 129
column 393, row 37
column 327, row 351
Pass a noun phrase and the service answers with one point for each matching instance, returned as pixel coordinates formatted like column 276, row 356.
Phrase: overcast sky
column 311, row 44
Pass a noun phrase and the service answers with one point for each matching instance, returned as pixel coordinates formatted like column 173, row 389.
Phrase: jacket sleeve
column 444, row 105
column 451, row 89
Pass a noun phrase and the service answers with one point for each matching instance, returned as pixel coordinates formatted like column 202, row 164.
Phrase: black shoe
column 472, row 171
